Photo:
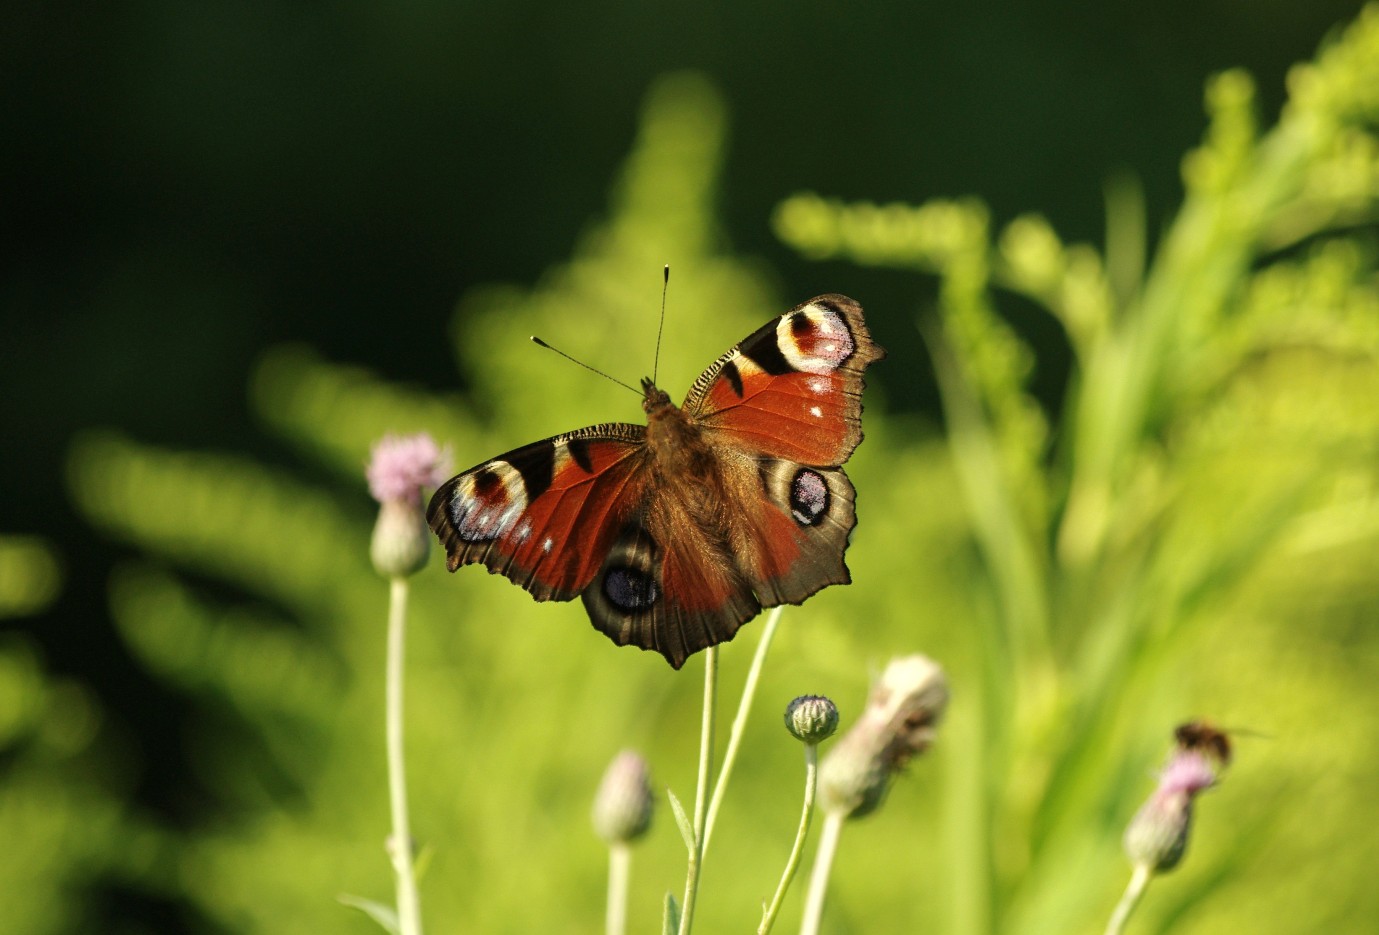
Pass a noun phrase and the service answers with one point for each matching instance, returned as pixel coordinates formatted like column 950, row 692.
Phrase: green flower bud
column 401, row 542
column 811, row 718
column 622, row 808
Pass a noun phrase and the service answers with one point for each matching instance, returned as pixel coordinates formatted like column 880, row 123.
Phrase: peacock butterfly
column 678, row 532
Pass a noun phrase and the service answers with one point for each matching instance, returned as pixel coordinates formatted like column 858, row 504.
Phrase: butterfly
column 676, row 533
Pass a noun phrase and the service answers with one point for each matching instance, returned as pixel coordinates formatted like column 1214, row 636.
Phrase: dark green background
column 187, row 184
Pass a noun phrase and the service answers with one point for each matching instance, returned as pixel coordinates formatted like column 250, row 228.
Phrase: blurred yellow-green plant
column 1184, row 533
column 1192, row 531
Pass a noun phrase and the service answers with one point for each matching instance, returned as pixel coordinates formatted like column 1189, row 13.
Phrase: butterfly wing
column 783, row 409
column 793, row 388
column 667, row 590
column 545, row 515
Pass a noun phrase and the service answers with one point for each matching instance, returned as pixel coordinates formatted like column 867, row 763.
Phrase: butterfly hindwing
column 811, row 516
column 663, row 594
column 545, row 514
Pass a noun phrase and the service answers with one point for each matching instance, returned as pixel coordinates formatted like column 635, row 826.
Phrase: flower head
column 398, row 470
column 401, row 465
column 1158, row 834
column 900, row 721
column 622, row 808
column 811, row 718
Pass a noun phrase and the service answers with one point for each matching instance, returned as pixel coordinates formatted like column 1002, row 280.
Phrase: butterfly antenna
column 541, row 343
column 656, row 362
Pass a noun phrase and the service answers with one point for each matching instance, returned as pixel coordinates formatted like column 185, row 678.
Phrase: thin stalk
column 400, row 842
column 701, row 790
column 619, row 870
column 744, row 710
column 811, row 782
column 818, row 877
column 1139, row 880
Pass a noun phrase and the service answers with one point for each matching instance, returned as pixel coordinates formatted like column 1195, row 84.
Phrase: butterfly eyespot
column 630, row 590
column 809, row 497
column 815, row 339
column 488, row 503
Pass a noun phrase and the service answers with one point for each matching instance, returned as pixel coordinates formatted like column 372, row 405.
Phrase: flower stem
column 619, row 867
column 818, row 877
column 811, row 781
column 1139, row 881
column 744, row 710
column 701, row 787
column 400, row 842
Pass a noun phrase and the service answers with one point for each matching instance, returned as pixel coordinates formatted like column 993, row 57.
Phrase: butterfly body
column 677, row 532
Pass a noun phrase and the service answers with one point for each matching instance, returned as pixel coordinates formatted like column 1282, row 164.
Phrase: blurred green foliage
column 1192, row 533
column 1150, row 551
column 29, row 575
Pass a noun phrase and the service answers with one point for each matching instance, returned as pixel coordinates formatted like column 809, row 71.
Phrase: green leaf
column 385, row 916
column 670, row 921
column 681, row 819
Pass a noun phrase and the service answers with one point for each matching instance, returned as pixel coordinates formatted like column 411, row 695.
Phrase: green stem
column 701, row 790
column 1139, row 880
column 744, row 710
column 811, row 781
column 619, row 870
column 400, row 842
column 818, row 877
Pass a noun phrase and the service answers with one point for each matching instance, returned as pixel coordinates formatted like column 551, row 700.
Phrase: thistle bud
column 900, row 721
column 811, row 718
column 1158, row 834
column 622, row 808
column 398, row 470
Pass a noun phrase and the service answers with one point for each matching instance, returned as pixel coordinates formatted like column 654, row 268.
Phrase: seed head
column 899, row 722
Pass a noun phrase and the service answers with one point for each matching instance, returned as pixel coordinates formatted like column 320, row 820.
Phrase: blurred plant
column 900, row 720
column 622, row 814
column 61, row 775
column 1157, row 836
column 811, row 719
column 29, row 576
column 253, row 594
column 1222, row 408
column 400, row 471
column 1199, row 522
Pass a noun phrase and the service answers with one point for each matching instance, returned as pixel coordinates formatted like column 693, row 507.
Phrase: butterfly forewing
column 544, row 514
column 793, row 388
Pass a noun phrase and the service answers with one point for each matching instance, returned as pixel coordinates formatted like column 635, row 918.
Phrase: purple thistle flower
column 1158, row 834
column 401, row 465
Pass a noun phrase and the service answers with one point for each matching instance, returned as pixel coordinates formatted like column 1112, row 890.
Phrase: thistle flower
column 1157, row 836
column 900, row 721
column 622, row 808
column 812, row 719
column 399, row 468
